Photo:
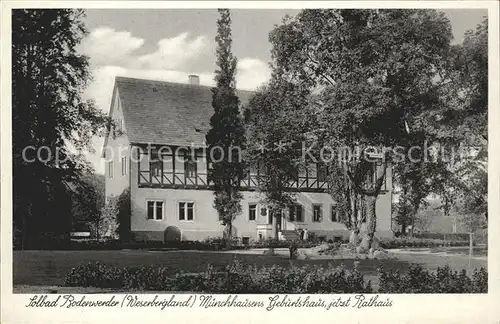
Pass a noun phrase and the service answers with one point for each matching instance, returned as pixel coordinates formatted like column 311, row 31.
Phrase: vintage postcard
column 243, row 162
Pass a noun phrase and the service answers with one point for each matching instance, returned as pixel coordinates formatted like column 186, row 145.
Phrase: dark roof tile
column 160, row 112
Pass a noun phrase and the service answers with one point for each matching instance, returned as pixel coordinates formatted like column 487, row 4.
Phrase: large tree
column 371, row 73
column 459, row 126
column 49, row 114
column 276, row 122
column 226, row 138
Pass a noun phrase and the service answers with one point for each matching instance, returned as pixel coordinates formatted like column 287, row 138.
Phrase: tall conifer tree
column 226, row 138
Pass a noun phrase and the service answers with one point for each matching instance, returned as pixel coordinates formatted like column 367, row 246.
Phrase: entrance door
column 278, row 219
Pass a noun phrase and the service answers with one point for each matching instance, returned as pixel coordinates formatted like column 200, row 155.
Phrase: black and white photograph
column 249, row 151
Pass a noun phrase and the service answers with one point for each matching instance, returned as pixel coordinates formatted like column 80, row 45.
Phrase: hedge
column 214, row 244
column 443, row 236
column 418, row 242
column 239, row 278
column 444, row 280
column 120, row 245
column 210, row 244
column 233, row 278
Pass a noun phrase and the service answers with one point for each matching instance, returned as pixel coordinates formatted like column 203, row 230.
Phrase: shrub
column 443, row 236
column 95, row 275
column 273, row 243
column 238, row 278
column 147, row 278
column 102, row 276
column 209, row 244
column 418, row 242
column 123, row 216
column 444, row 280
column 311, row 279
column 232, row 278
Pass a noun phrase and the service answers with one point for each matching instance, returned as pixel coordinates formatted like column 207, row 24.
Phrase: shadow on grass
column 48, row 268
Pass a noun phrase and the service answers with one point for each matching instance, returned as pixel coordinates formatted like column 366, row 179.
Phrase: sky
column 170, row 44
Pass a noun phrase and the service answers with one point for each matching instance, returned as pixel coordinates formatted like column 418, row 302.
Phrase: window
column 124, row 166
column 110, row 169
column 155, row 209
column 156, row 167
column 334, row 213
column 190, row 166
column 245, row 240
column 300, row 214
column 317, row 213
column 252, row 212
column 186, row 211
column 296, row 213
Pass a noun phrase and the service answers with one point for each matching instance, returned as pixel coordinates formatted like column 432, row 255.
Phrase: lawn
column 478, row 251
column 49, row 268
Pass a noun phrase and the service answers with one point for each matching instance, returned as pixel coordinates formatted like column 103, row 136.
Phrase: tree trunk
column 353, row 239
column 230, row 233
column 371, row 223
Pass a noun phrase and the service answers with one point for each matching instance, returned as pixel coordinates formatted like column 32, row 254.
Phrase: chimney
column 194, row 80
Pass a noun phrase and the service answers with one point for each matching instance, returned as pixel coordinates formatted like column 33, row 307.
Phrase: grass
column 49, row 268
column 464, row 251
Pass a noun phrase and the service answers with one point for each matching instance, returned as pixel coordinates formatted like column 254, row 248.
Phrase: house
column 160, row 157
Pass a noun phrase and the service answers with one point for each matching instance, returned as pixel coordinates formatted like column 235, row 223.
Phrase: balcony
column 169, row 179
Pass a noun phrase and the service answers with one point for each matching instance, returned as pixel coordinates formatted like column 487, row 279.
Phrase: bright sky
column 170, row 44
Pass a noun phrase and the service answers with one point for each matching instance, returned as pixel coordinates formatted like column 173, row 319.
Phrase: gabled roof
column 160, row 112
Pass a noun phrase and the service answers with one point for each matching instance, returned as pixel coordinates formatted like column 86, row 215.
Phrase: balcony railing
column 169, row 179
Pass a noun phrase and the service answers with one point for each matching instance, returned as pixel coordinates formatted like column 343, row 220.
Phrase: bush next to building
column 413, row 242
column 209, row 244
column 443, row 236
